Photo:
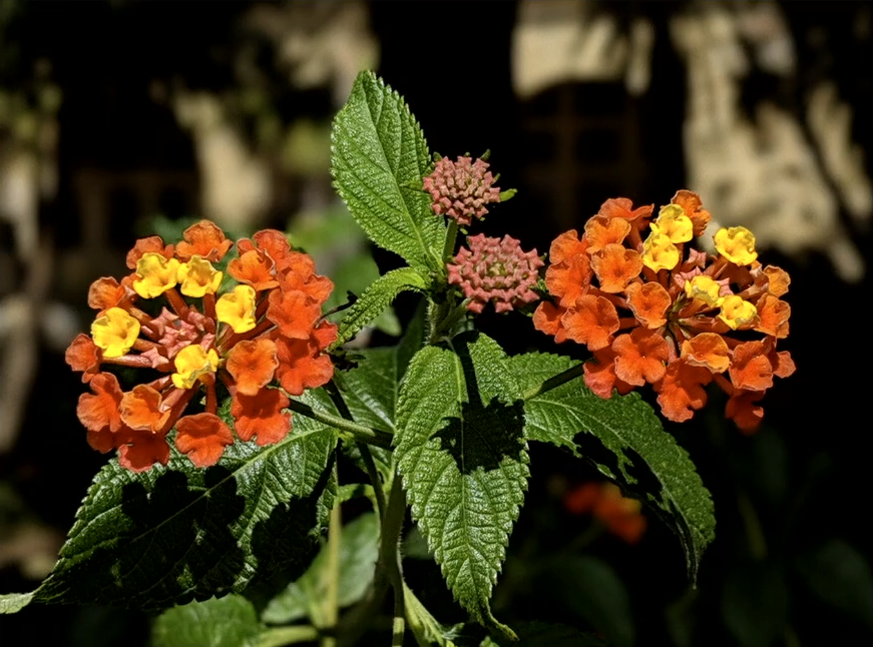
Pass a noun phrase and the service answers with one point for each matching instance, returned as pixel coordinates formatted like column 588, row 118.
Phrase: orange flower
column 652, row 309
column 242, row 342
column 261, row 416
column 203, row 239
column 621, row 516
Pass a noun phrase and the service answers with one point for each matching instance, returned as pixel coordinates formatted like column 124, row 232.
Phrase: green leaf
column 462, row 454
column 838, row 575
column 14, row 602
column 590, row 589
column 230, row 621
column 177, row 533
column 755, row 603
column 371, row 390
column 624, row 438
column 379, row 159
column 376, row 299
column 358, row 551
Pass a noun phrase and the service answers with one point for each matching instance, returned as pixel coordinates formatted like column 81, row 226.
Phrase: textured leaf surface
column 379, row 159
column 177, row 533
column 376, row 299
column 14, row 602
column 624, row 438
column 230, row 621
column 463, row 458
column 358, row 551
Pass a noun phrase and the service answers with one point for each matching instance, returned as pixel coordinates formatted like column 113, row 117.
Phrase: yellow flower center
column 198, row 277
column 737, row 244
column 674, row 224
column 155, row 275
column 115, row 332
column 705, row 289
column 659, row 252
column 736, row 312
column 192, row 362
column 237, row 309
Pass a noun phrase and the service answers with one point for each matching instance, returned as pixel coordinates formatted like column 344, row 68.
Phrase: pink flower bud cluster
column 495, row 270
column 461, row 189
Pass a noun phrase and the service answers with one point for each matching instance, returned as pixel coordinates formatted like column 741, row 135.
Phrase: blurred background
column 120, row 119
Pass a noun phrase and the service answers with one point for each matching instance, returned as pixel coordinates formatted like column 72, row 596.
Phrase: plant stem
column 330, row 605
column 389, row 554
column 359, row 432
column 451, row 237
column 279, row 636
column 554, row 381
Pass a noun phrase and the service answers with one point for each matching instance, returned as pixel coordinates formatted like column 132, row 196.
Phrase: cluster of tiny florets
column 461, row 189
column 495, row 270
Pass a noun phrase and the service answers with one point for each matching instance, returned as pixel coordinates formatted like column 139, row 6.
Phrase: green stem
column 340, row 403
column 359, row 432
column 389, row 554
column 331, row 576
column 287, row 635
column 451, row 238
column 555, row 381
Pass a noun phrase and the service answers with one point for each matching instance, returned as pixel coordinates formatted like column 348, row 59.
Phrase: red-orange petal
column 203, row 239
column 649, row 303
column 203, row 437
column 141, row 409
column 750, row 367
column 252, row 364
column 150, row 245
column 681, row 391
column 707, row 349
column 623, row 208
column 276, row 245
column 600, row 232
column 592, row 322
column 569, row 279
column 742, row 410
column 293, row 312
column 301, row 366
column 641, row 356
column 692, row 205
column 615, row 266
column 261, row 416
column 84, row 355
column 566, row 246
column 773, row 315
column 314, row 286
column 547, row 318
column 599, row 375
column 140, row 450
column 99, row 412
column 323, row 335
column 105, row 293
column 782, row 363
column 254, row 268
column 778, row 280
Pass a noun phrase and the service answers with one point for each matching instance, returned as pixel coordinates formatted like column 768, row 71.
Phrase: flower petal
column 261, row 416
column 203, row 437
column 252, row 364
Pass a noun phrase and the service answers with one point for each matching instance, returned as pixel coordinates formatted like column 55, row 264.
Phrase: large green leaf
column 230, row 621
column 177, row 533
column 463, row 458
column 376, row 299
column 623, row 437
column 379, row 159
column 359, row 546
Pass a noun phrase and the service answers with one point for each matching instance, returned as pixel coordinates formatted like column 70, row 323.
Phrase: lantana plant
column 242, row 420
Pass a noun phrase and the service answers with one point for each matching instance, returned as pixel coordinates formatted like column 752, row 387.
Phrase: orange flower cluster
column 621, row 516
column 655, row 310
column 168, row 316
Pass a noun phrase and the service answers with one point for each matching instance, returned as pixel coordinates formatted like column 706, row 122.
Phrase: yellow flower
column 659, row 252
column 198, row 277
column 736, row 312
column 673, row 223
column 705, row 289
column 155, row 275
column 192, row 362
column 737, row 244
column 115, row 332
column 237, row 309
